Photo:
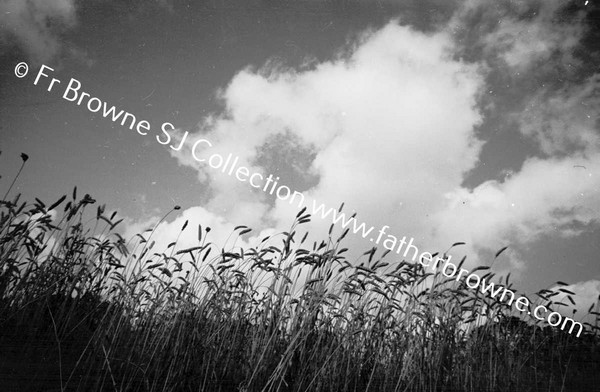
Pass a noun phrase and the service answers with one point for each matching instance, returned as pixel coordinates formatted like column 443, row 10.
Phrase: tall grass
column 84, row 309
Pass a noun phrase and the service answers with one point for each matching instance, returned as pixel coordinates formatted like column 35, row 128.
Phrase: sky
column 448, row 121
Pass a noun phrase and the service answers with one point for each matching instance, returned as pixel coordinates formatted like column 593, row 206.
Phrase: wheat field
column 84, row 309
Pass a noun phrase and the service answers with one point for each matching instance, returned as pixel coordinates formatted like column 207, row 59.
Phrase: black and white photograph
column 299, row 195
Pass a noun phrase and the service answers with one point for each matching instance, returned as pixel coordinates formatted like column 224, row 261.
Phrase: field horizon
column 84, row 309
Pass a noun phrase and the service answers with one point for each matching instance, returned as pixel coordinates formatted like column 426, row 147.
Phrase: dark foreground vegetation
column 83, row 309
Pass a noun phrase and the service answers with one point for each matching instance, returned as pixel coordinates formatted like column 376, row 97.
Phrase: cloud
column 557, row 188
column 36, row 25
column 587, row 295
column 390, row 124
column 185, row 230
column 564, row 121
column 521, row 33
column 547, row 196
column 390, row 127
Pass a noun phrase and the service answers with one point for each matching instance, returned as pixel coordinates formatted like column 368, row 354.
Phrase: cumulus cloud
column 555, row 193
column 185, row 230
column 36, row 25
column 547, row 196
column 587, row 297
column 557, row 189
column 391, row 123
column 390, row 127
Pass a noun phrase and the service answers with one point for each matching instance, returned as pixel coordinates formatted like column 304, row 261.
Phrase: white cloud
column 565, row 120
column 558, row 194
column 522, row 33
column 523, row 44
column 555, row 194
column 36, row 24
column 221, row 232
column 545, row 197
column 587, row 294
column 392, row 124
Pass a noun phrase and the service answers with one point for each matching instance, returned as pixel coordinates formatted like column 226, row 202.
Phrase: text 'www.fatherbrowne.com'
column 230, row 165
